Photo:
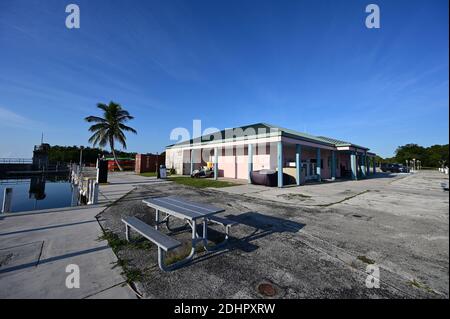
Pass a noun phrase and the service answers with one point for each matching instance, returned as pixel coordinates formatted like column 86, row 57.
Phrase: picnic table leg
column 205, row 232
column 218, row 245
column 127, row 232
column 161, row 253
column 194, row 237
column 176, row 229
column 157, row 219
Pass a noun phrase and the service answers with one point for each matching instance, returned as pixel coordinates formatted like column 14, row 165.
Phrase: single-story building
column 239, row 151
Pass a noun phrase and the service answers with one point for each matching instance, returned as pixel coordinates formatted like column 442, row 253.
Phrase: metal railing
column 14, row 181
column 12, row 160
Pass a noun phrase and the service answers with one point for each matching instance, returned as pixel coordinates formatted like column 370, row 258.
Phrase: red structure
column 127, row 164
column 147, row 162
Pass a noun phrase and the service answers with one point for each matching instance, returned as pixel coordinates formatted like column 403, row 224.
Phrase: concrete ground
column 36, row 247
column 313, row 241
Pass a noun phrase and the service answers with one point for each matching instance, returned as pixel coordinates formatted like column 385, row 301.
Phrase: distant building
column 40, row 156
column 126, row 163
column 147, row 162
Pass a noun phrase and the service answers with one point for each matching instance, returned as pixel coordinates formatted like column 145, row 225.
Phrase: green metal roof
column 334, row 141
column 270, row 130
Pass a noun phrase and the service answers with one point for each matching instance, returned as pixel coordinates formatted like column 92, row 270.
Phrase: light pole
column 158, row 173
column 81, row 158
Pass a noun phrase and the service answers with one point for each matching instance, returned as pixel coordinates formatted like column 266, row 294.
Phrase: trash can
column 102, row 171
column 162, row 171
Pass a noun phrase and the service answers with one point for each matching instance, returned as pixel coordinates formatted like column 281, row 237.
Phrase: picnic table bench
column 190, row 212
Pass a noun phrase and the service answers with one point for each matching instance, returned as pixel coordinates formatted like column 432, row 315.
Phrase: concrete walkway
column 36, row 247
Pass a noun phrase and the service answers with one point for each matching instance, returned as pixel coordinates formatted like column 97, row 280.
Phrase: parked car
column 394, row 168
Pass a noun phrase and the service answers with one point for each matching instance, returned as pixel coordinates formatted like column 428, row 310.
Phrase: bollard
column 95, row 196
column 7, row 200
column 74, row 195
column 90, row 192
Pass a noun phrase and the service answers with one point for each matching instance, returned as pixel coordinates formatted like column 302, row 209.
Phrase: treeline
column 433, row 156
column 69, row 154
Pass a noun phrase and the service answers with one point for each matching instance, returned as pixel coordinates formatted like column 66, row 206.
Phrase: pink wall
column 234, row 164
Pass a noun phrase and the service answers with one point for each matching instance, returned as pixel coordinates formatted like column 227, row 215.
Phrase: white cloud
column 12, row 119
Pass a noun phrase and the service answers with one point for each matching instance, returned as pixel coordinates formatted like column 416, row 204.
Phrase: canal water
column 37, row 192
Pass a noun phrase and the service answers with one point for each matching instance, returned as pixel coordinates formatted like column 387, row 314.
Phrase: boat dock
column 37, row 247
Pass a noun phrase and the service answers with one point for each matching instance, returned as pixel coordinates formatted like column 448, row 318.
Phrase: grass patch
column 131, row 274
column 200, row 182
column 113, row 241
column 366, row 260
column 417, row 284
column 148, row 174
column 173, row 257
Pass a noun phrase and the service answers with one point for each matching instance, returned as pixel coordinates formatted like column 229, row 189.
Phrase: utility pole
column 158, row 173
column 81, row 157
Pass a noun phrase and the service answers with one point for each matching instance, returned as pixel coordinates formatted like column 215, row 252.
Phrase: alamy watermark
column 73, row 279
column 73, row 19
column 373, row 19
column 233, row 141
column 373, row 277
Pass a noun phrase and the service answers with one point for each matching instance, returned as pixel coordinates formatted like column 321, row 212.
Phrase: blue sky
column 307, row 65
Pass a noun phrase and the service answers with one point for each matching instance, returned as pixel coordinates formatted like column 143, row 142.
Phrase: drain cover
column 267, row 289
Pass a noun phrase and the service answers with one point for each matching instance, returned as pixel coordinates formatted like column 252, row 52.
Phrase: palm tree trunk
column 111, row 142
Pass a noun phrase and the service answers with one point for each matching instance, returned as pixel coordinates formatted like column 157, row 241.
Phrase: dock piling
column 7, row 200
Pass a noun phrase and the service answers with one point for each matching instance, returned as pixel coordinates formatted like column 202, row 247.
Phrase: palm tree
column 110, row 127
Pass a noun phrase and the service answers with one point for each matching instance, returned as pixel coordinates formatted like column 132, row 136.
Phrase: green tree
column 437, row 154
column 409, row 152
column 110, row 128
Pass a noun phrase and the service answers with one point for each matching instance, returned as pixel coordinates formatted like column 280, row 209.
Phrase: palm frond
column 127, row 128
column 95, row 119
column 99, row 126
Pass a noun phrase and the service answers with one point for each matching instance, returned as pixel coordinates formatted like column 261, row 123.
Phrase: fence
column 17, row 160
column 84, row 185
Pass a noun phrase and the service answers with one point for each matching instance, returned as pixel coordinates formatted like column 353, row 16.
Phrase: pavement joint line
column 117, row 257
column 105, row 289
column 40, row 253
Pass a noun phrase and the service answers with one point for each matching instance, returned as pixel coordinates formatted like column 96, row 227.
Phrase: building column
column 367, row 164
column 280, row 163
column 333, row 165
column 298, row 163
column 318, row 168
column 250, row 162
column 216, row 163
column 374, row 165
column 354, row 166
column 192, row 161
column 363, row 165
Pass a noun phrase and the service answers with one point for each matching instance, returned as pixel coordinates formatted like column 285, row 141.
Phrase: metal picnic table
column 178, row 207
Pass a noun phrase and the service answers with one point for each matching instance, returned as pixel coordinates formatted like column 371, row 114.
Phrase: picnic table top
column 180, row 207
